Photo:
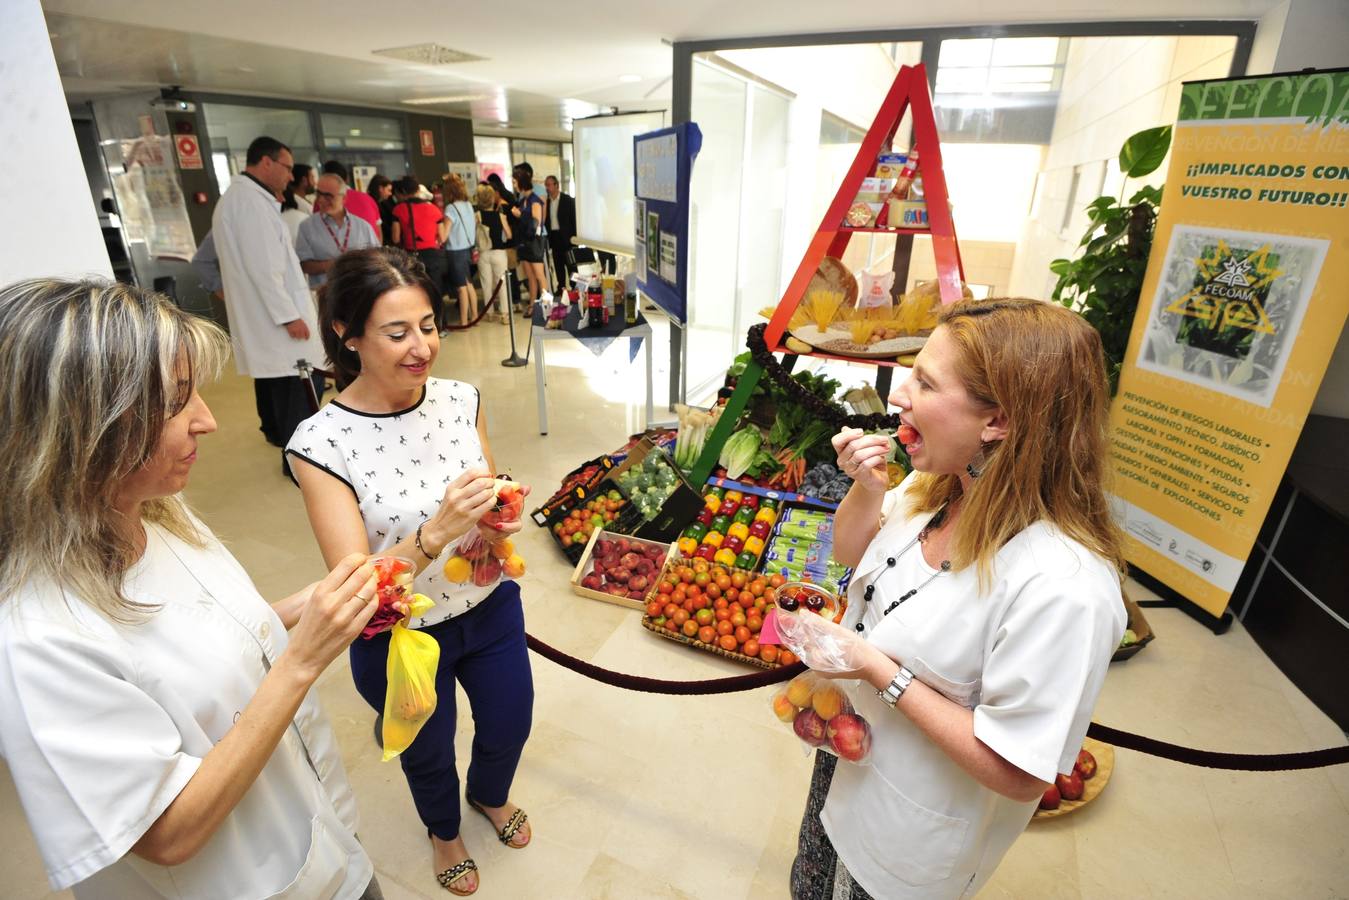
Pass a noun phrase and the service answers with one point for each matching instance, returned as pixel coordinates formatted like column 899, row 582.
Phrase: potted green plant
column 1104, row 281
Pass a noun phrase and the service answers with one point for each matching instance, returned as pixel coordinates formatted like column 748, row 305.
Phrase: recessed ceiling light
column 429, row 54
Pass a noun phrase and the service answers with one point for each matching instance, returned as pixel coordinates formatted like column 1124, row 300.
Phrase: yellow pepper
column 735, row 496
column 687, row 546
column 738, row 529
column 712, row 502
column 724, row 557
column 754, row 544
column 766, row 515
column 714, row 538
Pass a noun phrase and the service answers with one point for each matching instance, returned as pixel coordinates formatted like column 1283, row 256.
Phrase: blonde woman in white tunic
column 158, row 720
column 983, row 610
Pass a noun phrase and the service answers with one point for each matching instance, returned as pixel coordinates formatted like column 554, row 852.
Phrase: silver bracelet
column 896, row 688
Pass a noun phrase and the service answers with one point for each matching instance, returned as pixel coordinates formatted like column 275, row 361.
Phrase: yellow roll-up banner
column 1246, row 292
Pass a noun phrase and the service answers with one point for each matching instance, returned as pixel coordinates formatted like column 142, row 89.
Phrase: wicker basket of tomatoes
column 716, row 608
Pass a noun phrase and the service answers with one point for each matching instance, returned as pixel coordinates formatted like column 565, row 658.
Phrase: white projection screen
column 602, row 148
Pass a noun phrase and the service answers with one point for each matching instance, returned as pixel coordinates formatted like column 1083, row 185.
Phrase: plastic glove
column 826, row 648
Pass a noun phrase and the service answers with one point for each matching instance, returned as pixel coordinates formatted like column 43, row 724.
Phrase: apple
column 620, row 574
column 809, row 727
column 1085, row 766
column 639, row 583
column 1070, row 786
column 592, row 581
column 850, row 736
column 603, row 547
column 486, row 572
column 623, row 545
column 1051, row 799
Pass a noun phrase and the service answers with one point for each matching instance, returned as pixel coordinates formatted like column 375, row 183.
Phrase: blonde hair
column 92, row 371
column 1044, row 367
column 455, row 189
column 485, row 198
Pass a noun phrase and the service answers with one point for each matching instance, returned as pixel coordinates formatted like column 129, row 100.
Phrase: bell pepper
column 744, row 514
column 733, row 543
column 724, row 557
column 754, row 544
column 720, row 523
column 761, row 529
column 739, row 530
column 728, row 508
column 705, row 551
column 687, row 546
column 733, row 495
column 705, row 515
column 746, row 560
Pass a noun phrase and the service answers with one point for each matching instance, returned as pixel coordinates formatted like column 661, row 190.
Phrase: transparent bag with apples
column 485, row 562
column 820, row 710
column 821, row 713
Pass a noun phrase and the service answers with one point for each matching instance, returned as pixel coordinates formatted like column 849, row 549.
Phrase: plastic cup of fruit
column 800, row 596
column 393, row 586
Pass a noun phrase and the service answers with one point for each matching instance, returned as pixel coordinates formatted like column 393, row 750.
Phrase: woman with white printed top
column 398, row 464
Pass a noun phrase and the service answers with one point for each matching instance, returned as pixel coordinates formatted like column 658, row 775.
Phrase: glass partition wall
column 1030, row 123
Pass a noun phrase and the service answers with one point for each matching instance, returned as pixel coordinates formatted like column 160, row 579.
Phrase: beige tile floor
column 640, row 796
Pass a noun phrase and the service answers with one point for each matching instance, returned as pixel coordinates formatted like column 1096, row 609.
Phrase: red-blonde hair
column 1044, row 367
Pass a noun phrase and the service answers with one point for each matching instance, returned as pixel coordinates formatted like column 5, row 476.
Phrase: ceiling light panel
column 429, row 55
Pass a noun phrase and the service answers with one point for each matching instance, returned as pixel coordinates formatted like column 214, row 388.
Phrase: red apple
column 1051, row 799
column 1070, row 786
column 629, row 559
column 1085, row 765
column 623, row 545
column 593, row 582
column 850, row 736
column 603, row 547
column 809, row 727
column 639, row 583
column 620, row 574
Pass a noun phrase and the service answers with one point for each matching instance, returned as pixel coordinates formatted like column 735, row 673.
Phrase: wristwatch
column 896, row 688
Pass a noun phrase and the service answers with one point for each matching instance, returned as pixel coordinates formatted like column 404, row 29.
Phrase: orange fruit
column 502, row 549
column 458, row 570
column 514, row 566
column 799, row 690
column 783, row 708
column 828, row 702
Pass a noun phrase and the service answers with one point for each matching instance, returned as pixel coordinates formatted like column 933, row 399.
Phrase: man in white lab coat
column 273, row 323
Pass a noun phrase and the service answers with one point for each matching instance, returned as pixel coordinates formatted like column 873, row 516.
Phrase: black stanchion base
column 1173, row 600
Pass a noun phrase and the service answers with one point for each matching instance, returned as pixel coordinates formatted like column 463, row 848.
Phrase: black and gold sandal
column 511, row 828
column 454, row 873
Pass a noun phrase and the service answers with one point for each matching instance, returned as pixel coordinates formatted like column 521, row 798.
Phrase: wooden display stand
column 909, row 93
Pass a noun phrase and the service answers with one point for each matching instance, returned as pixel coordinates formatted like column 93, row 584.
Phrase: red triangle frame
column 908, row 93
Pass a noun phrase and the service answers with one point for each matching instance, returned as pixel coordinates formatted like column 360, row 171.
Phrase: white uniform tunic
column 398, row 466
column 105, row 724
column 264, row 286
column 1029, row 657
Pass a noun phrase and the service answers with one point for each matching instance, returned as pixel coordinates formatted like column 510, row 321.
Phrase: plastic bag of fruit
column 484, row 562
column 805, row 622
column 822, row 715
column 411, row 696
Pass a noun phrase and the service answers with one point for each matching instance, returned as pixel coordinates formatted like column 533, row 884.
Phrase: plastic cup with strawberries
column 393, row 587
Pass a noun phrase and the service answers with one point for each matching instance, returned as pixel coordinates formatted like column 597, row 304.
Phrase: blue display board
column 662, row 162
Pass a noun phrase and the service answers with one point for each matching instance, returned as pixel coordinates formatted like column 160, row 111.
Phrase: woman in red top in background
column 420, row 228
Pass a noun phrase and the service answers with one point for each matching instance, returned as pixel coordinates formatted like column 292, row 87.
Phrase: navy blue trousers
column 484, row 650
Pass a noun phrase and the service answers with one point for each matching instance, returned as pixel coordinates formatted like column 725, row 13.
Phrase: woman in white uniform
column 983, row 610
column 158, row 719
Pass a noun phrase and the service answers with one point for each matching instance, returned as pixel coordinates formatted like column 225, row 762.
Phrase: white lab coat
column 1029, row 656
column 104, row 725
column 264, row 286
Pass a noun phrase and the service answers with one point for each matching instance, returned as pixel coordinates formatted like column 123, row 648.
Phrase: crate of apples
column 716, row 608
column 619, row 569
column 595, row 514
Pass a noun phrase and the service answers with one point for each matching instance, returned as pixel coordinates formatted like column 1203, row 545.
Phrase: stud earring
column 351, row 348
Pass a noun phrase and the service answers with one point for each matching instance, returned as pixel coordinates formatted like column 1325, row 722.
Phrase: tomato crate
column 595, row 565
column 764, row 657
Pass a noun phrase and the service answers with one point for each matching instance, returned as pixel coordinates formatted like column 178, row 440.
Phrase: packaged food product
column 889, row 165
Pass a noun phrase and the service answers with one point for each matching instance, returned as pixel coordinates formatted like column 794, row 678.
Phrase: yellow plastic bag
column 411, row 696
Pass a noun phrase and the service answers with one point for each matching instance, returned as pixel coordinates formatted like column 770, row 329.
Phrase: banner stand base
column 1173, row 600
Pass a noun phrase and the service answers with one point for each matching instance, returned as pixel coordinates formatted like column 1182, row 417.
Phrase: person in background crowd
column 527, row 219
column 983, row 609
column 380, row 190
column 272, row 318
column 492, row 261
column 206, row 264
column 380, row 315
column 438, row 195
column 160, row 723
column 292, row 214
column 358, row 203
column 331, row 231
column 499, row 186
column 420, row 228
column 561, row 218
column 302, row 184
column 459, row 244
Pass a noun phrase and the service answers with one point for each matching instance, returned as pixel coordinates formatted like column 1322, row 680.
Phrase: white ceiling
column 545, row 62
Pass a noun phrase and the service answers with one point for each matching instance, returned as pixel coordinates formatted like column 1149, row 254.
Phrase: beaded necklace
column 933, row 524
